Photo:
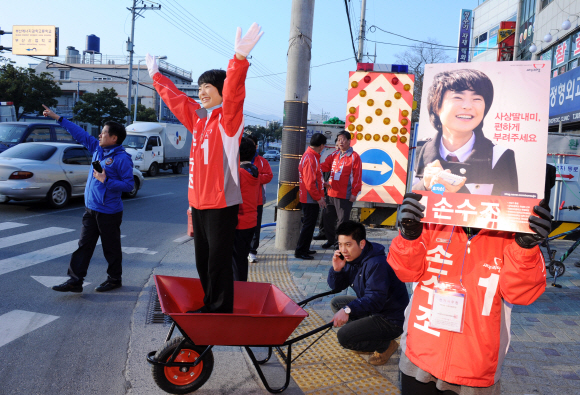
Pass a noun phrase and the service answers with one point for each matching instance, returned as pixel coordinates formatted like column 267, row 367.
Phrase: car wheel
column 135, row 189
column 58, row 195
column 177, row 169
column 153, row 169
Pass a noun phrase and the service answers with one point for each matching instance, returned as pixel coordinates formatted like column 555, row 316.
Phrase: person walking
column 344, row 185
column 103, row 205
column 311, row 194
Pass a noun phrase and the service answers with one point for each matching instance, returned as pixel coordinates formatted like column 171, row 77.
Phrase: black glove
column 410, row 214
column 541, row 225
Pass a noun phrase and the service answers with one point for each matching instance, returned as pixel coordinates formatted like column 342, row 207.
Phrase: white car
column 51, row 171
column 272, row 155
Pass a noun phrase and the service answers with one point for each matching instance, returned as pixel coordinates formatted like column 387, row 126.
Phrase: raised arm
column 78, row 133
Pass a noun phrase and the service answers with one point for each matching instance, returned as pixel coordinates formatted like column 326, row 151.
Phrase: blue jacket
column 104, row 197
column 377, row 287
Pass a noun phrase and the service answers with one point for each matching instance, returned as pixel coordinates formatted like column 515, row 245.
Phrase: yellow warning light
column 363, row 93
column 359, row 136
column 404, row 122
column 386, row 121
column 352, row 118
column 378, row 111
column 386, row 138
column 414, row 105
column 354, row 84
column 403, row 139
column 351, row 127
column 370, row 102
column 407, row 87
column 394, row 130
column 359, row 128
column 388, row 103
column 376, row 137
column 352, row 110
column 403, row 130
column 368, row 137
column 397, row 95
column 394, row 139
column 404, row 112
column 369, row 119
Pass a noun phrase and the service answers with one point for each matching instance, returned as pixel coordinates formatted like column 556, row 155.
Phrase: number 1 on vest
column 205, row 148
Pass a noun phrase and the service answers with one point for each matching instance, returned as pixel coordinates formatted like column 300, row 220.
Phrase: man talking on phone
column 111, row 174
column 372, row 320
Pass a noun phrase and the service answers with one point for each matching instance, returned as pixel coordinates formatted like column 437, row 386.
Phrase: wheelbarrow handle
column 310, row 299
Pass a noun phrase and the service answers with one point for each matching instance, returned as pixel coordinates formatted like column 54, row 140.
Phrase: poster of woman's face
column 482, row 143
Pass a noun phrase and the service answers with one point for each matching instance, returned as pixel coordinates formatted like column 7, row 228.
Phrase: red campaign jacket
column 214, row 179
column 497, row 274
column 250, row 185
column 265, row 176
column 348, row 169
column 310, row 177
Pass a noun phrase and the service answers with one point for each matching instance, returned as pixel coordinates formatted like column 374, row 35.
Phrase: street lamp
column 137, row 89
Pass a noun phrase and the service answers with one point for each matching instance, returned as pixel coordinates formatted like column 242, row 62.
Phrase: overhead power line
column 350, row 28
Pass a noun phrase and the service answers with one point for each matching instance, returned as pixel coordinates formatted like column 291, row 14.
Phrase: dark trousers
column 337, row 212
column 242, row 242
column 411, row 386
column 310, row 211
column 108, row 227
column 370, row 333
column 214, row 231
column 256, row 237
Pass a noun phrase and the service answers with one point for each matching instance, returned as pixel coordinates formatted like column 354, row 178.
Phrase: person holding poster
column 456, row 332
column 460, row 157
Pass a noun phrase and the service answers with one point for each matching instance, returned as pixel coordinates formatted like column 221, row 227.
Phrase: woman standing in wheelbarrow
column 214, row 181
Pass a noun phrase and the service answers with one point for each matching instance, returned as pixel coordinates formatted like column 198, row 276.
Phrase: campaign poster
column 482, row 143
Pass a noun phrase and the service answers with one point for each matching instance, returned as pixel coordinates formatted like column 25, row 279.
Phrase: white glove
column 151, row 65
column 245, row 45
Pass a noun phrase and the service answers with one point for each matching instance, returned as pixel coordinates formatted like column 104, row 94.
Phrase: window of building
column 545, row 4
column 102, row 79
column 65, row 74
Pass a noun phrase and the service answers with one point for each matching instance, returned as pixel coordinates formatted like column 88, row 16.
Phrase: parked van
column 13, row 133
column 7, row 112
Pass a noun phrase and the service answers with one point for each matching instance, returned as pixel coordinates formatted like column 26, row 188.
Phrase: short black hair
column 247, row 149
column 356, row 230
column 317, row 140
column 116, row 129
column 345, row 134
column 254, row 138
column 214, row 77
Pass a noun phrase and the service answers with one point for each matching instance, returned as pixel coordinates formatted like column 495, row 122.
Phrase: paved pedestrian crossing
column 49, row 244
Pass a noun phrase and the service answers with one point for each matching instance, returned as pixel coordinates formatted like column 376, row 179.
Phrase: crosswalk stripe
column 32, row 258
column 19, row 322
column 182, row 238
column 49, row 281
column 137, row 250
column 10, row 225
column 31, row 236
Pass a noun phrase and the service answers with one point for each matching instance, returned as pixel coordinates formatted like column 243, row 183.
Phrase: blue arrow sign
column 377, row 167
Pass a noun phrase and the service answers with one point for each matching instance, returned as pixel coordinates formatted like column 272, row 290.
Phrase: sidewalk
column 543, row 357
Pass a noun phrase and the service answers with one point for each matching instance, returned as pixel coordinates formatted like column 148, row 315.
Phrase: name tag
column 448, row 307
column 337, row 175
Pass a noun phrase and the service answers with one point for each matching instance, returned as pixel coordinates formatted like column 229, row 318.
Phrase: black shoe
column 304, row 256
column 577, row 264
column 69, row 286
column 107, row 286
column 327, row 245
column 319, row 237
column 311, row 252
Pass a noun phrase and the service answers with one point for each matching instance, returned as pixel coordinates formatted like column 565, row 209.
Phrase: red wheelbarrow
column 263, row 317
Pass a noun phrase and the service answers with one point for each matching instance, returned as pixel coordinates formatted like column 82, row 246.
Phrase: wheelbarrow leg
column 263, row 361
column 288, row 362
column 170, row 332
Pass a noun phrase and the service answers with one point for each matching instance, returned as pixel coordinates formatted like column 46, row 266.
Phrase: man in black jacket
column 374, row 317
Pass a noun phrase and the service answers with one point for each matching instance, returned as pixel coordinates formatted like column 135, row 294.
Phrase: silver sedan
column 52, row 171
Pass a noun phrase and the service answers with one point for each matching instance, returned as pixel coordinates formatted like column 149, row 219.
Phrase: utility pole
column 135, row 12
column 361, row 34
column 294, row 124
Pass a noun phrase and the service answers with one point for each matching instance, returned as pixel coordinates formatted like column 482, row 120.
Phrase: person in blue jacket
column 103, row 205
column 373, row 319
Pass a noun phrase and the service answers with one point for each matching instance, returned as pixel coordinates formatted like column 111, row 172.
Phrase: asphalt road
column 64, row 343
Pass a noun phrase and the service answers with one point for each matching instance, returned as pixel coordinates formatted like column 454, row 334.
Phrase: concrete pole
column 130, row 49
column 517, row 32
column 294, row 124
column 361, row 34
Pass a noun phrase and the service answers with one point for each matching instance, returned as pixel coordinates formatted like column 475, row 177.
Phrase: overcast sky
column 192, row 44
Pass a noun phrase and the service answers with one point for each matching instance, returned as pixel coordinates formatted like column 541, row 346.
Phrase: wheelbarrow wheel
column 182, row 380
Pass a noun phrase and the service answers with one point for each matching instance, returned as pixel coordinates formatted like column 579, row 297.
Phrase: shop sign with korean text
column 565, row 97
column 35, row 40
column 484, row 126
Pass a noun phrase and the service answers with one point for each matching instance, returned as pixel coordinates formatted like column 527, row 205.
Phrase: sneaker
column 252, row 258
column 69, row 286
column 107, row 286
column 382, row 358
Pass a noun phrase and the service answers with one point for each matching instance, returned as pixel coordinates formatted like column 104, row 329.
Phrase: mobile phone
column 341, row 256
column 97, row 166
